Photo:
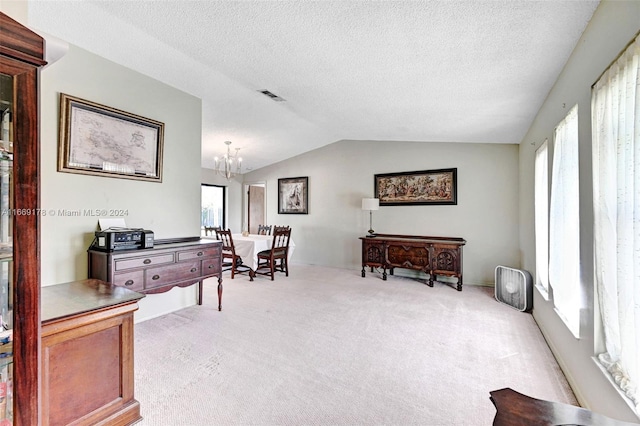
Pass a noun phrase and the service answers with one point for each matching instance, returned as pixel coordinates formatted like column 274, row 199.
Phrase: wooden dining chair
column 230, row 260
column 264, row 229
column 275, row 259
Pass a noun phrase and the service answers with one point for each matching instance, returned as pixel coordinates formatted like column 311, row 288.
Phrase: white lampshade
column 370, row 204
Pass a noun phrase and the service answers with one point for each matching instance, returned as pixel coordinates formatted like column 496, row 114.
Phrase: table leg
column 200, row 292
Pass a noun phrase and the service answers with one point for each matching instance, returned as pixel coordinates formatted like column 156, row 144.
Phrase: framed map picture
column 417, row 188
column 293, row 195
column 100, row 140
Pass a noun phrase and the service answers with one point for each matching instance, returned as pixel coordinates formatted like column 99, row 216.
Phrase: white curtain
column 564, row 223
column 615, row 106
column 541, row 196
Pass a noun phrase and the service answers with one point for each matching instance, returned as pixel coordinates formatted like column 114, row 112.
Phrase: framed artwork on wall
column 425, row 187
column 99, row 140
column 293, row 195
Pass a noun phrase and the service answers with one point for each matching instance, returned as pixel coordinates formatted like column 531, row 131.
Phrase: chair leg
column 233, row 267
column 273, row 268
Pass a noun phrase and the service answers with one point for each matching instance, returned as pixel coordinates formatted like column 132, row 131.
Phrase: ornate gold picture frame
column 99, row 140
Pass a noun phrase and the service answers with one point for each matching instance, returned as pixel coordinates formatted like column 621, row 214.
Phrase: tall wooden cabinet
column 21, row 56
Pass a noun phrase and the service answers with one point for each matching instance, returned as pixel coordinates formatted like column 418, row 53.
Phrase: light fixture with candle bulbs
column 224, row 166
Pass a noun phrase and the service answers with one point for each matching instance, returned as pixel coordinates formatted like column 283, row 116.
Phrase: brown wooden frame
column 132, row 124
column 424, row 187
column 21, row 55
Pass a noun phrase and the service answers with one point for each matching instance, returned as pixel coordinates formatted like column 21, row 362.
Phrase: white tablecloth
column 248, row 247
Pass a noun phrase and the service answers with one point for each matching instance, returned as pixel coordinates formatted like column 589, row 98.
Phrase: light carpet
column 325, row 346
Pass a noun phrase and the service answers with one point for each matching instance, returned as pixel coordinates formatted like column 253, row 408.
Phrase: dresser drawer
column 132, row 280
column 198, row 254
column 139, row 262
column 211, row 266
column 162, row 275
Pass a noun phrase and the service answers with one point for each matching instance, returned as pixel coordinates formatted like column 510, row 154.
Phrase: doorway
column 256, row 202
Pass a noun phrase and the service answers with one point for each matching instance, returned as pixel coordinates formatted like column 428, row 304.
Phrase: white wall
column 341, row 174
column 171, row 209
column 613, row 26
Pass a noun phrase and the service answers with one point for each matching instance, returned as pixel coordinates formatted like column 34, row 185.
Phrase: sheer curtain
column 615, row 106
column 541, row 180
column 564, row 223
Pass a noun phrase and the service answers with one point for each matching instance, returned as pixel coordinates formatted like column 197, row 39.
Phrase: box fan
column 514, row 287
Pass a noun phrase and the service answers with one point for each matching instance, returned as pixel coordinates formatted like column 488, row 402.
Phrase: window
column 615, row 109
column 541, row 180
column 564, row 223
column 213, row 207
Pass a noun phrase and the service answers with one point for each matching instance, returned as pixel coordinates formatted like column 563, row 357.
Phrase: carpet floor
column 325, row 346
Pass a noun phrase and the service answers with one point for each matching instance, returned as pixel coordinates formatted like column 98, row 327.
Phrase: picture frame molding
column 304, row 196
column 451, row 200
column 69, row 134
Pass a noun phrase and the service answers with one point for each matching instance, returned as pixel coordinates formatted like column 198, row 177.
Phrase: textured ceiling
column 433, row 71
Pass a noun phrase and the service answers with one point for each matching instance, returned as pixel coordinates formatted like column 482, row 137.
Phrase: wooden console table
column 87, row 354
column 432, row 255
column 161, row 268
column 514, row 408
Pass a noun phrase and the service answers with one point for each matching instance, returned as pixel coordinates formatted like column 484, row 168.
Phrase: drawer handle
column 128, row 282
column 147, row 261
column 194, row 269
column 210, row 266
column 155, row 277
column 200, row 253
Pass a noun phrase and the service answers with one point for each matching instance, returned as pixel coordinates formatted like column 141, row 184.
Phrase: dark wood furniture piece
column 210, row 230
column 87, row 354
column 230, row 260
column 435, row 256
column 264, row 229
column 516, row 409
column 275, row 259
column 21, row 56
column 161, row 268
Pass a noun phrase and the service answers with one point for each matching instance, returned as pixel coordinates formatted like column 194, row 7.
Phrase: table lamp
column 370, row 204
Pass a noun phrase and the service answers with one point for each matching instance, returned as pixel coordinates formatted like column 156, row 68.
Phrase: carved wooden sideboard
column 435, row 256
column 161, row 268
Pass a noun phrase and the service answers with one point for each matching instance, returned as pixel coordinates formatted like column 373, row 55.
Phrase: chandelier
column 224, row 166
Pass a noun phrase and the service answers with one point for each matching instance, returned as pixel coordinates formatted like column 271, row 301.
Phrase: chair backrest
column 224, row 235
column 264, row 229
column 281, row 236
column 210, row 230
column 276, row 228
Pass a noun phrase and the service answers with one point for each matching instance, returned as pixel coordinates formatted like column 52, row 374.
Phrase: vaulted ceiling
column 432, row 71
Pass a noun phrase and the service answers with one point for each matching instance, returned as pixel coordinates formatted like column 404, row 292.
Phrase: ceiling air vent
column 271, row 95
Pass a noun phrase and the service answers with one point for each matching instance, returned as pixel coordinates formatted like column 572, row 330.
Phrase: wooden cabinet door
column 446, row 259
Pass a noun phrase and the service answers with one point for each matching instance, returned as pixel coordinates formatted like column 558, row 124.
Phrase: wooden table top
column 68, row 299
column 514, row 408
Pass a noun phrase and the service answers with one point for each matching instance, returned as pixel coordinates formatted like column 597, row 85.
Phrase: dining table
column 248, row 247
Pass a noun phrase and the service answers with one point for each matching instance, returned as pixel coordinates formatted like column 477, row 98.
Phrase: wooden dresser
column 161, row 268
column 87, row 354
column 435, row 256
